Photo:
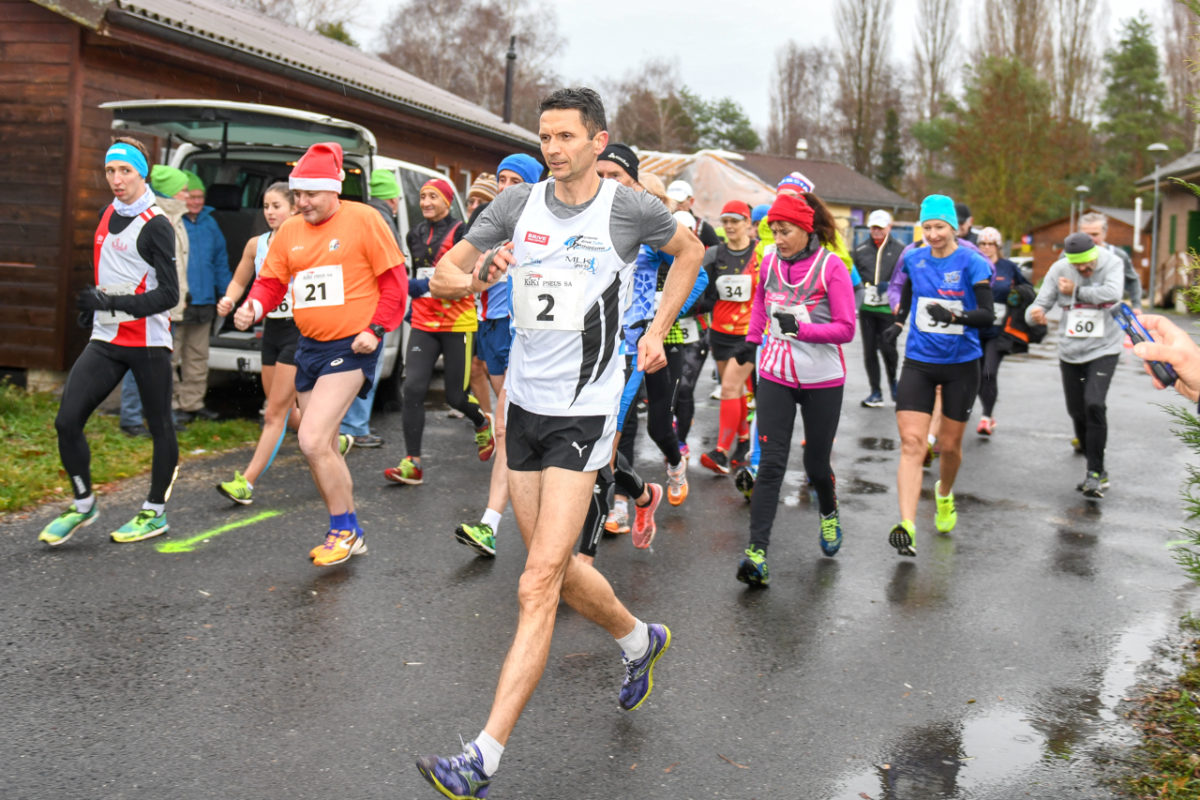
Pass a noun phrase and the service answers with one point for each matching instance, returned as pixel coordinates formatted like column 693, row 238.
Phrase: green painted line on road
column 1177, row 543
column 188, row 545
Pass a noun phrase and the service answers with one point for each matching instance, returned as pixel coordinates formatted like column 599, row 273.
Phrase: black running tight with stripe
column 820, row 410
column 628, row 483
column 423, row 351
column 660, row 398
column 99, row 369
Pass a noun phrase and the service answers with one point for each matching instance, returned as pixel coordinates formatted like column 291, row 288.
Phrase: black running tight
column 628, row 483
column 660, row 402
column 691, row 361
column 1086, row 389
column 423, row 351
column 99, row 370
column 775, row 415
column 989, row 386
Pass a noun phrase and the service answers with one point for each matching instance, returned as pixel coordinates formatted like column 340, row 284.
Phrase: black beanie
column 623, row 156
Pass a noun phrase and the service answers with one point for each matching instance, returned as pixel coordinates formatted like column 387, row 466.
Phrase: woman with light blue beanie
column 947, row 299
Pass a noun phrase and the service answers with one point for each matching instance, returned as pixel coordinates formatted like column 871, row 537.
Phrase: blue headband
column 524, row 165
column 130, row 155
column 939, row 207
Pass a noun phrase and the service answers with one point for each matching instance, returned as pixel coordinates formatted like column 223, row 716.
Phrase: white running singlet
column 119, row 269
column 569, row 288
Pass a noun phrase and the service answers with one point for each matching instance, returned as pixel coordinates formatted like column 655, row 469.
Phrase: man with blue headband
column 128, row 312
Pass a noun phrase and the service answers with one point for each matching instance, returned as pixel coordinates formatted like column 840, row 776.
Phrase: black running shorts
column 919, row 380
column 536, row 441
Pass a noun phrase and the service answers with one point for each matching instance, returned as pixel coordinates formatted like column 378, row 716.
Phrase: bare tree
column 1180, row 68
column 864, row 33
column 460, row 46
column 801, row 101
column 307, row 14
column 1076, row 59
column 647, row 109
column 934, row 52
column 1018, row 29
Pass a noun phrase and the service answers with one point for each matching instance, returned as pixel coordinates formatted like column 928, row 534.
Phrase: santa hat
column 319, row 169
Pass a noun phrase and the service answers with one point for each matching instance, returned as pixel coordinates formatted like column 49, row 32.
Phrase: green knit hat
column 193, row 181
column 384, row 185
column 167, row 181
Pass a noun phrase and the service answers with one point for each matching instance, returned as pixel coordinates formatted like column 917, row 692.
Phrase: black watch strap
column 378, row 330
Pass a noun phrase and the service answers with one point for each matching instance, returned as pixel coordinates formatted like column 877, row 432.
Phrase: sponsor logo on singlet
column 582, row 242
column 536, row 238
column 334, row 244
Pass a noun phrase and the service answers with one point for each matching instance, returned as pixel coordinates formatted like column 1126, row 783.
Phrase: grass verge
column 31, row 473
column 1169, row 722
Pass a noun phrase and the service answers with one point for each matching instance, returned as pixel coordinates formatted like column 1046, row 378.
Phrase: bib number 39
column 928, row 324
column 319, row 286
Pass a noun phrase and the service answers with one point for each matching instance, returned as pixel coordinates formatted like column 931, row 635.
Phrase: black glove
column 92, row 299
column 939, row 313
column 745, row 352
column 891, row 333
column 787, row 323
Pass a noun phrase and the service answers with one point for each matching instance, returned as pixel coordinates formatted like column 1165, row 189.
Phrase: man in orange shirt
column 350, row 288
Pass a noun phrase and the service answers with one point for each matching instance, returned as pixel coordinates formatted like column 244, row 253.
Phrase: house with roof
column 1125, row 230
column 62, row 59
column 718, row 176
column 1178, row 222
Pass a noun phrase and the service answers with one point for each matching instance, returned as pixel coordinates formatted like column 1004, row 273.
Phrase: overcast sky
column 722, row 47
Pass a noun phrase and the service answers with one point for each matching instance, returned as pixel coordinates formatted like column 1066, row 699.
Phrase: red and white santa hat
column 319, row 169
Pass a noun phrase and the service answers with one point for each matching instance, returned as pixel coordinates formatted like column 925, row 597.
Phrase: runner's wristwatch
column 378, row 330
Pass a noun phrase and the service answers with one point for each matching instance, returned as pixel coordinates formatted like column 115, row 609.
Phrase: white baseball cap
column 679, row 191
column 879, row 219
column 685, row 219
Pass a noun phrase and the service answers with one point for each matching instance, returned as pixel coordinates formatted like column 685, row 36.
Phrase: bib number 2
column 547, row 299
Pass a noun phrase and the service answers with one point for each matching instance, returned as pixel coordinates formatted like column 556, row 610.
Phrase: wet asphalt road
column 991, row 666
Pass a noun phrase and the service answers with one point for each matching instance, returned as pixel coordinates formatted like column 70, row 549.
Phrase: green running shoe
column 946, row 516
column 147, row 524
column 345, row 442
column 753, row 568
column 831, row 534
column 63, row 526
column 903, row 537
column 479, row 538
column 238, row 490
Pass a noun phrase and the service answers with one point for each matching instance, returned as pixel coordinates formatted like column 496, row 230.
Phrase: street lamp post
column 1156, row 149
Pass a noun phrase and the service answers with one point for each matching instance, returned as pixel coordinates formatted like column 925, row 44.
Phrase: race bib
column 927, row 324
column 548, row 299
column 800, row 312
column 284, row 309
column 690, row 328
column 1084, row 323
column 115, row 317
column 734, row 288
column 999, row 309
column 319, row 287
column 424, row 273
column 871, row 296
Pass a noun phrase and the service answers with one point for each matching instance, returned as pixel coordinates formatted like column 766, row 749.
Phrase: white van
column 238, row 150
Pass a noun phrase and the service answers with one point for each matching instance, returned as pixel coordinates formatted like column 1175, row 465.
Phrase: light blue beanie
column 524, row 165
column 940, row 207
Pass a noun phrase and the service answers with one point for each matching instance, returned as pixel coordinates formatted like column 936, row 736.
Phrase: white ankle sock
column 491, row 518
column 490, row 750
column 84, row 505
column 636, row 643
column 157, row 508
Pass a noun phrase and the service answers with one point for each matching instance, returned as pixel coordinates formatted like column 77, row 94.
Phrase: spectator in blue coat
column 208, row 274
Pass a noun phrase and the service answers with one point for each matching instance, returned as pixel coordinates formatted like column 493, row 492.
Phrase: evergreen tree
column 1134, row 110
column 891, row 157
column 720, row 124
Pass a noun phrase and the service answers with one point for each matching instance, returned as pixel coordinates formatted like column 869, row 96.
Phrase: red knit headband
column 789, row 208
column 441, row 187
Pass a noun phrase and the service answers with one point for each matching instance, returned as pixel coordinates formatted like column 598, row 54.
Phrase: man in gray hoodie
column 1087, row 282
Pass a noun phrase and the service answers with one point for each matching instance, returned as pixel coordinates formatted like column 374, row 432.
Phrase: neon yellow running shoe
column 946, row 516
column 63, row 526
column 903, row 537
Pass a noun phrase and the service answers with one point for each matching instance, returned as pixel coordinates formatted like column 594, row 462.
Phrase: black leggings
column 660, row 403
column 873, row 324
column 691, row 361
column 1086, row 389
column 423, row 350
column 99, row 369
column 820, row 410
column 629, row 483
column 989, row 387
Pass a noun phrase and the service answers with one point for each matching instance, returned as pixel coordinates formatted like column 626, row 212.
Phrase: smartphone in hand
column 1125, row 317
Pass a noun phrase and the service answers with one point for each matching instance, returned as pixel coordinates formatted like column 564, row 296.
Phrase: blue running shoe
column 753, row 568
column 639, row 675
column 461, row 777
column 831, row 533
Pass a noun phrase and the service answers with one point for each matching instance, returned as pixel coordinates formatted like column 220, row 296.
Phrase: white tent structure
column 715, row 175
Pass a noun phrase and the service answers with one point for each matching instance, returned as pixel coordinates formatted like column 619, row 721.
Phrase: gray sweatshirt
column 1096, row 293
